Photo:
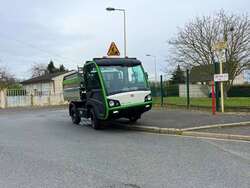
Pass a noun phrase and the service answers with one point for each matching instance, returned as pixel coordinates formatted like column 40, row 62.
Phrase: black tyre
column 95, row 122
column 134, row 119
column 75, row 116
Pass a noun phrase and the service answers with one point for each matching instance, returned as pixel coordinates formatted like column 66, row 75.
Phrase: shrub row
column 239, row 91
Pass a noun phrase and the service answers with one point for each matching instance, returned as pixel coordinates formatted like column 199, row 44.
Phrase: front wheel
column 134, row 119
column 95, row 122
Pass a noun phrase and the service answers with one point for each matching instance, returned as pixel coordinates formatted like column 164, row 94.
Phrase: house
column 48, row 84
column 243, row 78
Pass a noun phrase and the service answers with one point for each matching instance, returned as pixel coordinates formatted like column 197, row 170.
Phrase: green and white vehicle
column 106, row 89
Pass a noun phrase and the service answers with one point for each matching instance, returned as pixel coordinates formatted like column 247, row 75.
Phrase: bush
column 15, row 86
column 239, row 91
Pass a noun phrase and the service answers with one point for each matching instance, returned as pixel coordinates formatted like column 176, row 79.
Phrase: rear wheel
column 75, row 116
column 95, row 122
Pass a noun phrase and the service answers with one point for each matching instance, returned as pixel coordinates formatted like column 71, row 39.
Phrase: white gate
column 17, row 98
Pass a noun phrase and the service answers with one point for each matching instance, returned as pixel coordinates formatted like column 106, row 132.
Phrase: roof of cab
column 117, row 61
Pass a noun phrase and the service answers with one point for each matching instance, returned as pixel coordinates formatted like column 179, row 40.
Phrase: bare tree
column 6, row 79
column 38, row 70
column 194, row 43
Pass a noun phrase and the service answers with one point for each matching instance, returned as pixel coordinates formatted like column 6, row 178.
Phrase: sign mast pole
column 220, row 46
column 221, row 89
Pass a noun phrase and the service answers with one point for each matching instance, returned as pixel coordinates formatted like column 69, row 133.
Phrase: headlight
column 148, row 98
column 113, row 103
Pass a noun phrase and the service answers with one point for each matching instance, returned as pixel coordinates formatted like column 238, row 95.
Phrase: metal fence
column 198, row 96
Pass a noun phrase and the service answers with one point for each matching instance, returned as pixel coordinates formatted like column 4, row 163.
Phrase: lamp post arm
column 120, row 9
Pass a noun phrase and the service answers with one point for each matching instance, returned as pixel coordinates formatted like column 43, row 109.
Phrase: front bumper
column 131, row 111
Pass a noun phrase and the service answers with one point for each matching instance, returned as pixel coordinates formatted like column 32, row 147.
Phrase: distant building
column 47, row 84
column 243, row 78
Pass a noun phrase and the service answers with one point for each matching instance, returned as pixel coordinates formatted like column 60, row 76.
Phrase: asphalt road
column 42, row 148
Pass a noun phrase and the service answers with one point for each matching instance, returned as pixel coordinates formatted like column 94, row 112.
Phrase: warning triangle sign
column 113, row 50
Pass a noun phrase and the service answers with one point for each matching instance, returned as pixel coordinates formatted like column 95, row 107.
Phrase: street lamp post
column 124, row 27
column 149, row 55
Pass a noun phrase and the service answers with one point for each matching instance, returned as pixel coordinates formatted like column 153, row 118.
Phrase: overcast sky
column 71, row 32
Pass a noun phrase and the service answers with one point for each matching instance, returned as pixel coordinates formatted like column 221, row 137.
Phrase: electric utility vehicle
column 107, row 89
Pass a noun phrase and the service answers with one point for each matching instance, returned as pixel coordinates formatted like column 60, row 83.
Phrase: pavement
column 193, row 123
column 42, row 148
column 185, row 119
column 238, row 130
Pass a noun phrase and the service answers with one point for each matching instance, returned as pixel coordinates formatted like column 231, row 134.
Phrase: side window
column 91, row 78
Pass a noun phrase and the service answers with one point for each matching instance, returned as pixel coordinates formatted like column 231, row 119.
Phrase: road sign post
column 221, row 78
column 188, row 94
column 217, row 89
column 219, row 47
column 221, row 89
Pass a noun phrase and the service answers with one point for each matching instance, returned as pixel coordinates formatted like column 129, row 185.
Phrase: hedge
column 239, row 91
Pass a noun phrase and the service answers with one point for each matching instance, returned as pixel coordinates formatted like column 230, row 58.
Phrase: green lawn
column 204, row 102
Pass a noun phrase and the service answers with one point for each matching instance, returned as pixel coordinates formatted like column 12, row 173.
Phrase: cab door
column 94, row 94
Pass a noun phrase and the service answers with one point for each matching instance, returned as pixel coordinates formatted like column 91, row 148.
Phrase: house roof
column 44, row 78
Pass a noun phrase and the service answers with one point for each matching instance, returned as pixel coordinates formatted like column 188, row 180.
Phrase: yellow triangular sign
column 113, row 50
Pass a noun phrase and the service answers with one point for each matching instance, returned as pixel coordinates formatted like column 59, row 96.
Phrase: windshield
column 119, row 79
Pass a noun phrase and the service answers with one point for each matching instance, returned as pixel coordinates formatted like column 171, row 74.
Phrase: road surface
column 42, row 148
